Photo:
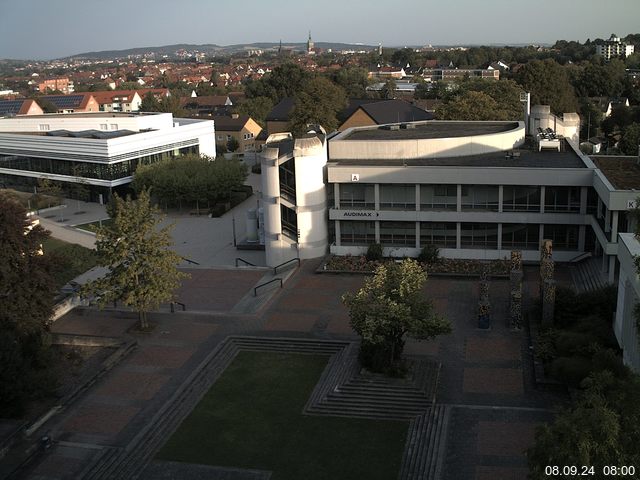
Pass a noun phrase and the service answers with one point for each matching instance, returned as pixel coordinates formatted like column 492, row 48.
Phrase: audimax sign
column 360, row 214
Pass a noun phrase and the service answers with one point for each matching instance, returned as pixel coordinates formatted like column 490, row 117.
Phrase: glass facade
column 520, row 236
column 289, row 222
column 565, row 237
column 357, row 196
column 438, row 197
column 520, row 199
column 288, row 180
column 480, row 197
column 397, row 197
column 357, row 233
column 479, row 235
column 94, row 170
column 398, row 234
column 562, row 199
column 441, row 235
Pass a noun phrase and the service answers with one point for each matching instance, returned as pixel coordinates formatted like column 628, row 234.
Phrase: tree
column 142, row 269
column 548, row 83
column 284, row 81
column 257, row 108
column 26, row 302
column 389, row 89
column 389, row 306
column 47, row 106
column 318, row 103
column 354, row 81
column 150, row 103
column 233, row 144
column 630, row 141
column 599, row 429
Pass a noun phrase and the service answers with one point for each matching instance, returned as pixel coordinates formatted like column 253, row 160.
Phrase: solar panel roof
column 65, row 101
column 10, row 107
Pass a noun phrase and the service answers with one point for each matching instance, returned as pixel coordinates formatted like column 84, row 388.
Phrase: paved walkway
column 486, row 378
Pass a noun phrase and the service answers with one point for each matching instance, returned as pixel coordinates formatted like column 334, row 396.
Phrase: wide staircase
column 587, row 275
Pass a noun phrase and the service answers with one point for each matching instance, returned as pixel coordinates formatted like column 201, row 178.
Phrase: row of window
column 472, row 235
column 474, row 197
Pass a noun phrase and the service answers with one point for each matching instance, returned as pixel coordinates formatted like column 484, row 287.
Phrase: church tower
column 309, row 44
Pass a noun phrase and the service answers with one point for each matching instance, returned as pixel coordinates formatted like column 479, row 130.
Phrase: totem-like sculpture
column 484, row 306
column 547, row 283
column 515, row 298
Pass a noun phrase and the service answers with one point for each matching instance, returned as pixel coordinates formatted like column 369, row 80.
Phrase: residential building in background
column 21, row 106
column 62, row 84
column 76, row 103
column 241, row 127
column 614, row 47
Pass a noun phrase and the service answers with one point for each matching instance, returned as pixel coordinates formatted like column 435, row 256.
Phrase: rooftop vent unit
column 408, row 126
column 513, row 154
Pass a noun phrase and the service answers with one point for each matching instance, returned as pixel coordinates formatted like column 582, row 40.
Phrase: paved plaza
column 486, row 380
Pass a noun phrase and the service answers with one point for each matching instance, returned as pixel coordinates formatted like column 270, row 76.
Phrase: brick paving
column 486, row 378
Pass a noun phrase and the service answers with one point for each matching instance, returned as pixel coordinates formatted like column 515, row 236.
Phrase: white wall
column 628, row 296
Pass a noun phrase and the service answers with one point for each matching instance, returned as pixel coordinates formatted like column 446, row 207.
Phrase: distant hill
column 212, row 49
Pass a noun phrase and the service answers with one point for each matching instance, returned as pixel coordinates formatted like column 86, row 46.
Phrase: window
column 114, row 126
column 398, row 234
column 357, row 195
column 438, row 197
column 479, row 235
column 564, row 237
column 287, row 172
column 480, row 197
column 228, row 137
column 520, row 236
column 520, row 199
column 357, row 233
column 397, row 197
column 289, row 222
column 103, row 126
column 562, row 199
column 43, row 127
column 442, row 235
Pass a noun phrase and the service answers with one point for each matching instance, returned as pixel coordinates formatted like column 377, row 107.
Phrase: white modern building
column 613, row 48
column 625, row 325
column 101, row 150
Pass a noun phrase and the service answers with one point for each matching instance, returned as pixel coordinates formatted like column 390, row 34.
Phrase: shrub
column 429, row 254
column 256, row 168
column 374, row 252
column 571, row 370
column 570, row 307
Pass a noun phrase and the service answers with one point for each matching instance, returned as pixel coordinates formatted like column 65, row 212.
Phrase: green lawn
column 70, row 259
column 93, row 226
column 252, row 418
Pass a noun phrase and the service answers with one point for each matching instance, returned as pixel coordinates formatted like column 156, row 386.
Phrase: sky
column 47, row 29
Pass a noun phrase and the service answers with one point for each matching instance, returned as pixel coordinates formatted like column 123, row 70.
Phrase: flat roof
column 86, row 115
column 431, row 129
column 526, row 159
column 623, row 172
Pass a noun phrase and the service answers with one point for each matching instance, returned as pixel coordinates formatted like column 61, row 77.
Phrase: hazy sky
column 44, row 29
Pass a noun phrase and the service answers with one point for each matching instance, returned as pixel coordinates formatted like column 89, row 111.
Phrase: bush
column 256, row 168
column 429, row 254
column 375, row 358
column 374, row 252
column 218, row 210
column 570, row 307
column 571, row 370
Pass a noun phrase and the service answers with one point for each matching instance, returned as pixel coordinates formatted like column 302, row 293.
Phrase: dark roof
column 527, row 159
column 394, row 111
column 622, row 171
column 95, row 134
column 433, row 130
column 11, row 107
column 65, row 101
column 204, row 101
column 281, row 112
column 229, row 124
column 353, row 104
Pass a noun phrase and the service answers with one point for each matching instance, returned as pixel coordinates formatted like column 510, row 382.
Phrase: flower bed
column 444, row 266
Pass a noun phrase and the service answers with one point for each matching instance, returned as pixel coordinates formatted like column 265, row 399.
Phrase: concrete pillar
column 542, row 199
column 376, row 198
column 612, row 268
column 599, row 208
column 459, row 199
column 500, row 198
column 583, row 200
column 607, row 220
column 417, row 197
column 337, row 232
column 614, row 226
column 582, row 235
column 417, row 234
column 458, row 232
column 377, row 231
column 541, row 234
column 336, row 195
column 500, row 231
column 275, row 248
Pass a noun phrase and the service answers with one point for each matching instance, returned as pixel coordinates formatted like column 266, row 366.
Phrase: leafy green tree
column 354, row 81
column 590, row 119
column 233, row 144
column 318, row 103
column 389, row 306
column 46, row 105
column 142, row 268
column 596, row 80
column 284, row 81
column 482, row 100
column 389, row 89
column 150, row 103
column 548, row 83
column 257, row 108
column 171, row 104
column 469, row 105
column 630, row 141
column 26, row 302
column 599, row 429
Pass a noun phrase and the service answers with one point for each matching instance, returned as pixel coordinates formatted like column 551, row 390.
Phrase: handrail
column 255, row 290
column 189, row 260
column 244, row 261
column 581, row 257
column 275, row 269
column 172, row 304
